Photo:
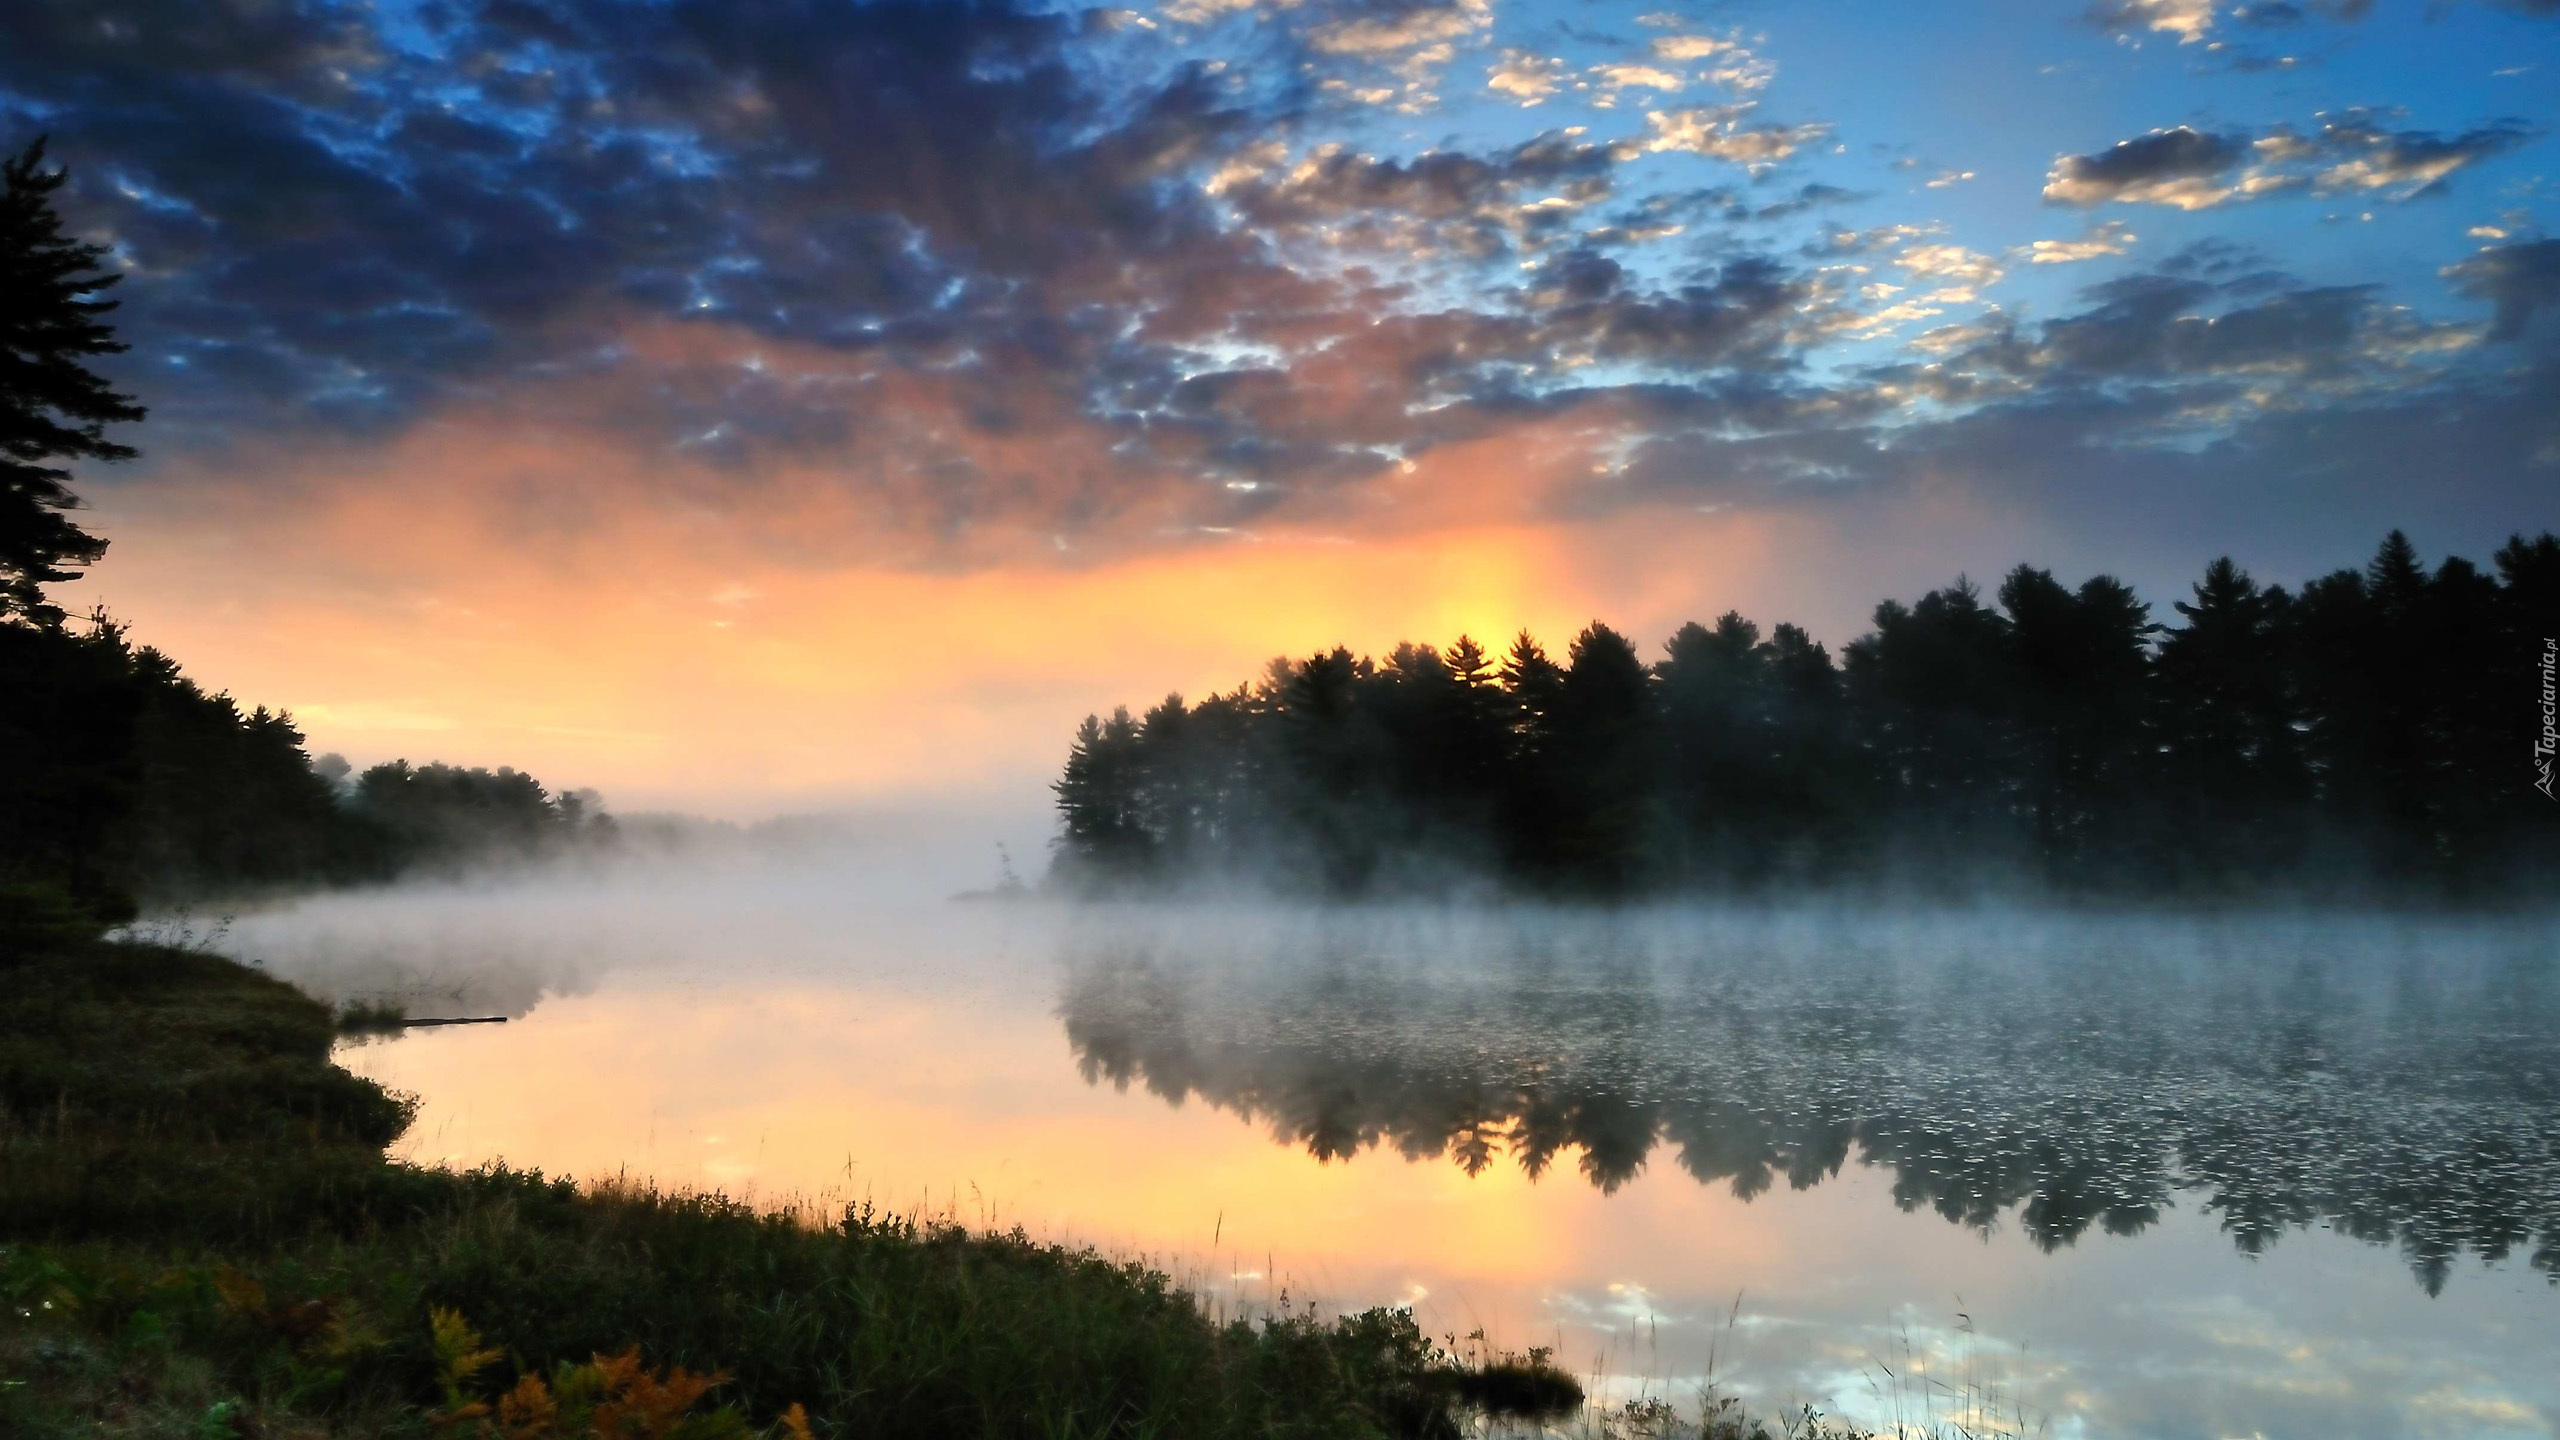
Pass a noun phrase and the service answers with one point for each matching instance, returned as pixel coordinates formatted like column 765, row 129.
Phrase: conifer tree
column 1605, row 736
column 1714, row 708
column 2233, row 775
column 2080, row 663
column 1532, row 790
column 1098, row 800
column 53, row 408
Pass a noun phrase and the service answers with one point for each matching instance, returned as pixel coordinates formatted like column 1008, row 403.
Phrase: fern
column 609, row 1397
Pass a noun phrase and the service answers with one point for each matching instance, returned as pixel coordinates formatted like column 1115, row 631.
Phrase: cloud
column 1735, row 67
column 1201, row 12
column 1524, row 76
column 1843, row 242
column 1812, row 195
column 1477, row 206
column 1585, row 304
column 1723, row 132
column 2189, row 20
column 2108, row 237
column 1627, row 75
column 2195, row 20
column 2189, row 169
column 1664, row 214
column 2166, row 167
column 1962, row 271
column 1690, row 47
column 1399, row 27
column 868, row 176
column 2521, row 281
column 2197, row 347
column 2360, row 155
column 913, row 263
column 955, row 287
column 1947, row 274
column 2166, row 408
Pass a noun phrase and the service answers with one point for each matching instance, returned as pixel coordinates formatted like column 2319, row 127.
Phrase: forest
column 125, row 782
column 129, row 783
column 2372, row 734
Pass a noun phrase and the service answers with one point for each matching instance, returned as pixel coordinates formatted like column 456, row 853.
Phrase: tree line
column 2372, row 732
column 128, row 782
column 120, row 779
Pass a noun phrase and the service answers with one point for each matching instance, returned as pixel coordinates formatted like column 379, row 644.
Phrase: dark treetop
column 53, row 408
column 2372, row 733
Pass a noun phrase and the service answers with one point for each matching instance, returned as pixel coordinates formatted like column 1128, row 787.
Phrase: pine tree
column 2234, row 776
column 1714, row 705
column 1171, row 794
column 1531, row 681
column 2079, row 662
column 1337, row 761
column 1936, row 684
column 53, row 408
column 1104, row 841
column 1477, row 741
column 1532, row 790
column 1605, row 753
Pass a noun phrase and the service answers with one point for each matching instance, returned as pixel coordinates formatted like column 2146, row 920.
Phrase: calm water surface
column 2137, row 1176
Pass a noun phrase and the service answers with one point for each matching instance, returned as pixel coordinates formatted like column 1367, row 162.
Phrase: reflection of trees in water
column 2082, row 1094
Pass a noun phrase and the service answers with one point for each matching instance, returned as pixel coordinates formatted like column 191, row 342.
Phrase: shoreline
column 181, row 1161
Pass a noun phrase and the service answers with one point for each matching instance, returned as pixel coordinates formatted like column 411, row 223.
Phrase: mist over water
column 2153, row 1173
column 2394, row 1081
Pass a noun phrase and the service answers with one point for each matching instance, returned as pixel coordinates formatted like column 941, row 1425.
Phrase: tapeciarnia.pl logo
column 2549, row 740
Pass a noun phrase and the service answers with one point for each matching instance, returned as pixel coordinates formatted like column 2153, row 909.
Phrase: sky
column 757, row 405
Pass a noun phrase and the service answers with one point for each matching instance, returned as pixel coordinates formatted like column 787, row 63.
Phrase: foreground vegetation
column 201, row 1237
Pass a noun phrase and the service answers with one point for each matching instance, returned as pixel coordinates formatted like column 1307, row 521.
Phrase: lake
column 2080, row 1174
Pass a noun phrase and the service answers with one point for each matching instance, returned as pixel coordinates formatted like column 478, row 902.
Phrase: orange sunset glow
column 424, row 607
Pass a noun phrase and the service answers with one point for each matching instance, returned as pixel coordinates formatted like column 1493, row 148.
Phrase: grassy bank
column 201, row 1237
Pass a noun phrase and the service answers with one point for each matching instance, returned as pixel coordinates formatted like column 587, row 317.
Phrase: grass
column 372, row 1017
column 201, row 1239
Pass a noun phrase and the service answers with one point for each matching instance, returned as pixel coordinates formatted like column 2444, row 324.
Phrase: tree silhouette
column 1603, row 735
column 1105, row 833
column 1717, row 718
column 53, row 408
column 2081, row 665
column 1474, row 744
column 1532, row 794
column 1758, row 774
column 2365, row 736
column 1934, row 683
column 73, row 768
column 1337, row 755
column 446, row 816
column 2234, row 777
